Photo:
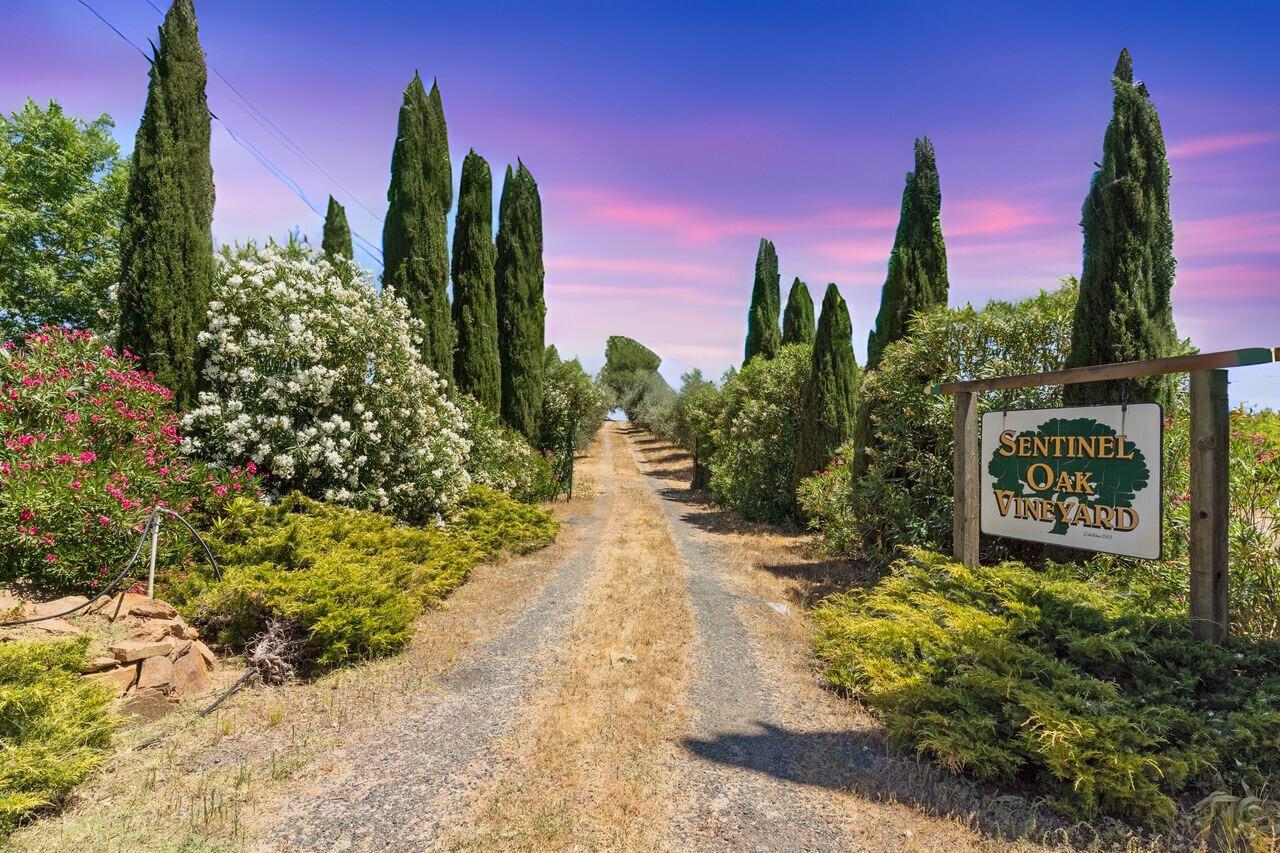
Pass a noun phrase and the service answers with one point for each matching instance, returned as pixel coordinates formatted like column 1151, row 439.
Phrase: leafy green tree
column 797, row 320
column 763, row 336
column 337, row 234
column 522, row 310
column 166, row 239
column 829, row 403
column 696, row 407
column 917, row 278
column 755, row 435
column 625, row 362
column 415, row 235
column 62, row 189
column 1125, row 310
column 476, row 364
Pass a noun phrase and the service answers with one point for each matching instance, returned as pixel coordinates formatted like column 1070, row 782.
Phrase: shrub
column 55, row 727
column 754, row 436
column 502, row 458
column 904, row 497
column 317, row 378
column 1010, row 675
column 697, row 406
column 348, row 582
column 90, row 446
column 572, row 403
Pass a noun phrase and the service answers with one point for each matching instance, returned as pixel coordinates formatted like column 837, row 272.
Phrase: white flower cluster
column 316, row 377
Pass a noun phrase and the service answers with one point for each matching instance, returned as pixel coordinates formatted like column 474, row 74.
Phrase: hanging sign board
column 1085, row 477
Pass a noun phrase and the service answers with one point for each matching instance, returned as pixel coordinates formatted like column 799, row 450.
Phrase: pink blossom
column 103, row 520
column 76, row 485
column 51, row 557
column 26, row 515
column 71, row 418
column 87, row 456
column 219, row 490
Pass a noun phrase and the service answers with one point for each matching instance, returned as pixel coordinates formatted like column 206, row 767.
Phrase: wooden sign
column 1085, row 477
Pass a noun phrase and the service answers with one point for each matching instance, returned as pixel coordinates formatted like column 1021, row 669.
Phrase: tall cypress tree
column 830, row 398
column 763, row 337
column 415, row 235
column 476, row 365
column 797, row 320
column 521, row 309
column 1124, row 311
column 337, row 234
column 166, row 238
column 917, row 276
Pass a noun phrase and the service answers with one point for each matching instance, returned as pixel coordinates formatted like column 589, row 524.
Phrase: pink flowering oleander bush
column 88, row 445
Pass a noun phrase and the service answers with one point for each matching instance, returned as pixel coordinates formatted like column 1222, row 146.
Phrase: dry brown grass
column 590, row 766
column 210, row 784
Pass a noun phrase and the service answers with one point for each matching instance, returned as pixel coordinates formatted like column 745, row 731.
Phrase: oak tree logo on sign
column 1074, row 480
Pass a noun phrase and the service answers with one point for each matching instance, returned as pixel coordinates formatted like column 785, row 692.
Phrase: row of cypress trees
column 829, row 398
column 1124, row 310
column 167, row 263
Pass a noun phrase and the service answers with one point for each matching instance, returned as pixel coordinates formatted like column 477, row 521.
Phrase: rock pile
column 160, row 659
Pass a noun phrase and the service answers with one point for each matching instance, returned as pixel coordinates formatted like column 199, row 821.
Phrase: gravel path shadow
column 394, row 789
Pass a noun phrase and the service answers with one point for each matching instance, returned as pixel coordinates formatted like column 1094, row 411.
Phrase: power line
column 263, row 160
column 264, row 121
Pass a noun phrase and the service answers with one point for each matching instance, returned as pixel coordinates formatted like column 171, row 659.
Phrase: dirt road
column 643, row 684
column 653, row 693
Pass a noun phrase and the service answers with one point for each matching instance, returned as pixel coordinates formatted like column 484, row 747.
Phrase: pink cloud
column 1257, row 232
column 695, row 224
column 988, row 217
column 1226, row 282
column 638, row 266
column 630, row 291
column 1204, row 146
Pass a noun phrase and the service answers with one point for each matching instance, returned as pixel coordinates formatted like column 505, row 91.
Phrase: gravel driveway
column 394, row 789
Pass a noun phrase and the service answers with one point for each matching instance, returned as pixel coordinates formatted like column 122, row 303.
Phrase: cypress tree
column 166, row 238
column 1124, row 311
column 521, row 309
column 415, row 235
column 917, row 277
column 763, row 337
column 337, row 234
column 797, row 320
column 476, row 365
column 829, row 400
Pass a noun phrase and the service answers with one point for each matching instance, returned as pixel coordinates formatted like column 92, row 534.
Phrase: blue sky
column 668, row 138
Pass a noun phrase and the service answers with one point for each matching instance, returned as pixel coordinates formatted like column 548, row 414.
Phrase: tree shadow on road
column 860, row 763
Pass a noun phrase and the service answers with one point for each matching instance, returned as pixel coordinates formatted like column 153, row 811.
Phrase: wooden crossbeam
column 1119, row 370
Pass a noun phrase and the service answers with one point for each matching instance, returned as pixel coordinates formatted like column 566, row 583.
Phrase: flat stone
column 61, row 627
column 119, row 680
column 127, row 651
column 147, row 703
column 204, row 652
column 178, row 648
column 158, row 629
column 191, row 673
column 99, row 664
column 59, row 605
column 156, row 672
column 189, row 633
column 150, row 608
column 103, row 605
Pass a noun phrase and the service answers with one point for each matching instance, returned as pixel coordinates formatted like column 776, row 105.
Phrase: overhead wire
column 266, row 162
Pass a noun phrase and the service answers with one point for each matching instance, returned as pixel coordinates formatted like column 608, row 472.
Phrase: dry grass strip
column 590, row 768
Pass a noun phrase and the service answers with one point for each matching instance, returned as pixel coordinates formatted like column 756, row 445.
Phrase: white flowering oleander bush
column 502, row 458
column 316, row 377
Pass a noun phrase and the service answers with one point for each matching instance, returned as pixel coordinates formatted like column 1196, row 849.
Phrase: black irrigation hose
column 136, row 551
column 152, row 520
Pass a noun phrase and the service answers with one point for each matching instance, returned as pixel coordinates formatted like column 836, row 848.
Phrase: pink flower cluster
column 80, row 469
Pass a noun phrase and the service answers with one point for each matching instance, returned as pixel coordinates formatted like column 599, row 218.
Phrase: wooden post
column 1210, row 437
column 964, row 529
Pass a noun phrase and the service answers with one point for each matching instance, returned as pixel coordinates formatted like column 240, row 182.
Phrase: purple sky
column 667, row 138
